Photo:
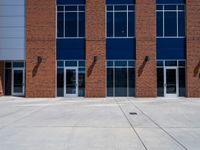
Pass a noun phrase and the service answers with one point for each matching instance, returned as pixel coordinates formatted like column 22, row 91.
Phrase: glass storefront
column 70, row 78
column 171, row 78
column 120, row 78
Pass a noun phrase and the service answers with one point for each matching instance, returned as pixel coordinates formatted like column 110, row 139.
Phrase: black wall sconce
column 95, row 59
column 39, row 59
column 146, row 58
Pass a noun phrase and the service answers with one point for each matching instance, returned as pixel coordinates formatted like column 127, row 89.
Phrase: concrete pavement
column 99, row 124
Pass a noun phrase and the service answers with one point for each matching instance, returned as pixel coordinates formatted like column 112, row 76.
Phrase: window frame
column 113, row 17
column 78, row 21
column 177, row 11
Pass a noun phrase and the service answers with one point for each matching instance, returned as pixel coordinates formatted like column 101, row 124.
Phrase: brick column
column 193, row 48
column 146, row 46
column 1, row 78
column 40, row 48
column 95, row 48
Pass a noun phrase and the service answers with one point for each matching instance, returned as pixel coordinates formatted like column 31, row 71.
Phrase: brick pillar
column 40, row 48
column 193, row 48
column 146, row 46
column 1, row 78
column 95, row 48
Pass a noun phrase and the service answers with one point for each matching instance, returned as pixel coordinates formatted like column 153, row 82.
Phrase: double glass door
column 71, row 82
column 18, row 82
column 171, row 82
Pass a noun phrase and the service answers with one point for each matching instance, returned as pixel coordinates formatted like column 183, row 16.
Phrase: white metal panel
column 12, row 29
column 12, row 2
column 12, row 54
column 12, row 21
column 11, row 10
column 15, row 32
column 8, row 43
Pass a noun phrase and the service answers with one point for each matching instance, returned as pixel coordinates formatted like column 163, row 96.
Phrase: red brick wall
column 146, row 85
column 40, row 41
column 95, row 46
column 1, row 78
column 193, row 48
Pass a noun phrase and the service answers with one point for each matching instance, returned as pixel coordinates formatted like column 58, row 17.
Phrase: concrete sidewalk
column 99, row 124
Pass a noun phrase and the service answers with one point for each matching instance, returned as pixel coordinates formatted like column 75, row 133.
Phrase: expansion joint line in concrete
column 173, row 138
column 131, row 125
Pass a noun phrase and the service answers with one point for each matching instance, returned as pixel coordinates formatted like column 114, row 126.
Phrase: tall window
column 120, row 21
column 70, row 21
column 170, row 21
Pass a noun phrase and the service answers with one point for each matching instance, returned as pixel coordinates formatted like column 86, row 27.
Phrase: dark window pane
column 131, row 7
column 159, row 63
column 181, row 63
column 8, row 83
column 70, row 8
column 60, row 63
column 120, row 24
column 170, row 24
column 81, row 64
column 181, row 7
column 159, row 24
column 121, row 63
column 181, row 24
column 71, row 24
column 120, row 81
column 8, row 65
column 81, row 24
column 131, row 63
column 70, row 63
column 109, row 24
column 170, row 7
column 60, row 82
column 182, row 82
column 109, row 8
column 109, row 63
column 131, row 24
column 159, row 7
column 60, row 24
column 110, row 82
column 18, row 64
column 81, row 8
column 60, row 8
column 131, row 76
column 81, row 83
column 160, row 82
column 121, row 7
column 170, row 63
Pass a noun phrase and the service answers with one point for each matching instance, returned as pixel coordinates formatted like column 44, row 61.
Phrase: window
column 120, row 21
column 170, row 21
column 120, row 78
column 70, row 21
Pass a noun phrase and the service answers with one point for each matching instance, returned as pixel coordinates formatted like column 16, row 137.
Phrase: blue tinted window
column 60, row 24
column 159, row 7
column 131, row 7
column 181, row 7
column 181, row 24
column 170, row 24
column 81, row 24
column 60, row 8
column 159, row 23
column 109, row 24
column 70, row 8
column 120, row 24
column 170, row 7
column 120, row 7
column 81, row 8
column 131, row 24
column 71, row 24
column 109, row 8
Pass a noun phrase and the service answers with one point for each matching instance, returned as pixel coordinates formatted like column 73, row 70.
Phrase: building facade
column 100, row 48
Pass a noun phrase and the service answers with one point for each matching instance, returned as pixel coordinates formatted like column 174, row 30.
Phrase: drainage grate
column 133, row 113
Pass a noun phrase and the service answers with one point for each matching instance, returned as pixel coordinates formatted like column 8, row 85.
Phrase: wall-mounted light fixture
column 146, row 58
column 39, row 59
column 95, row 59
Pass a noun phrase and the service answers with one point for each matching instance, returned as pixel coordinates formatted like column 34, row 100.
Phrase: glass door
column 171, row 82
column 18, row 82
column 71, row 82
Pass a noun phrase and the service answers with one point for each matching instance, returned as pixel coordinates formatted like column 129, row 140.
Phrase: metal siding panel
column 12, row 2
column 12, row 10
column 12, row 43
column 12, row 54
column 12, row 32
column 12, row 22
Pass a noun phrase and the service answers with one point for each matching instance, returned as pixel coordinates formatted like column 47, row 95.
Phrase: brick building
column 100, row 48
